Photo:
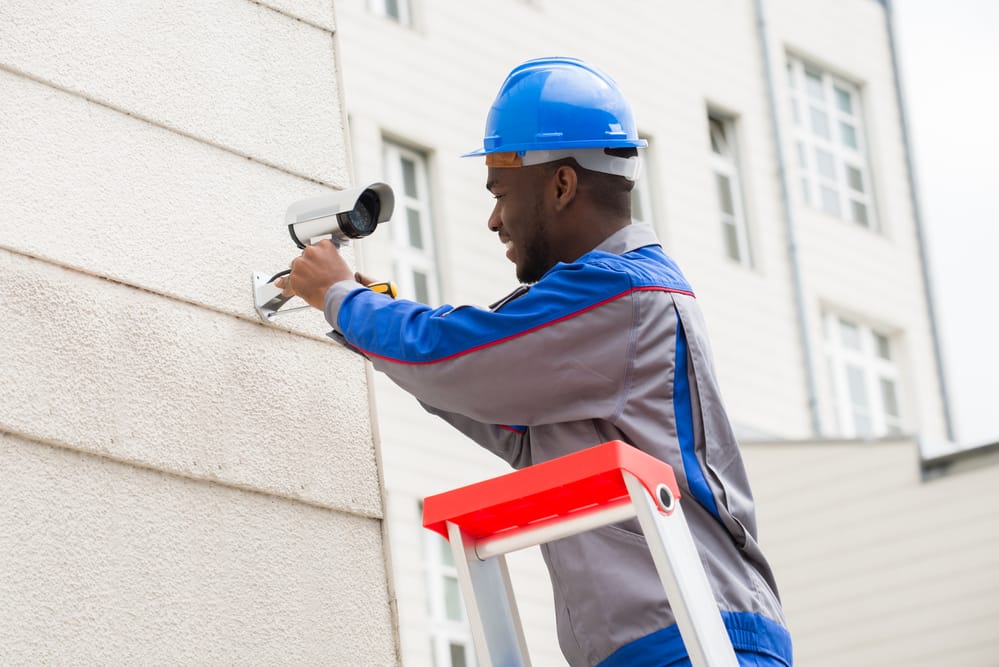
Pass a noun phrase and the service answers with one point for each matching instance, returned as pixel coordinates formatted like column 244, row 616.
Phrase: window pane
column 814, row 83
column 790, row 74
column 806, row 191
column 802, row 155
column 421, row 286
column 795, row 113
column 859, row 213
column 636, row 204
column 447, row 556
column 826, row 164
column 409, row 177
column 731, row 240
column 719, row 142
column 850, row 334
column 858, row 399
column 856, row 386
column 392, row 8
column 844, row 100
column 724, row 193
column 888, row 398
column 458, row 658
column 415, row 229
column 820, row 122
column 855, row 178
column 883, row 345
column 848, row 134
column 830, row 201
column 452, row 599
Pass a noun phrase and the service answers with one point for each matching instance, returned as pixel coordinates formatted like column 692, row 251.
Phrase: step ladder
column 595, row 487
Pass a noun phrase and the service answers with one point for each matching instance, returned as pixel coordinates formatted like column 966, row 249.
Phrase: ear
column 565, row 182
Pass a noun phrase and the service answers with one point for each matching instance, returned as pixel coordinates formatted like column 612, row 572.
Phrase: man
column 603, row 341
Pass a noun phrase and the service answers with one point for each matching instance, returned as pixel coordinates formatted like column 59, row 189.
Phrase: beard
column 537, row 253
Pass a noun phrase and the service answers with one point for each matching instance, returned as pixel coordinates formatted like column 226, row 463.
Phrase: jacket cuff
column 334, row 299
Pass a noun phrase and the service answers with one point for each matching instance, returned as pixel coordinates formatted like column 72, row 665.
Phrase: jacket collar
column 626, row 239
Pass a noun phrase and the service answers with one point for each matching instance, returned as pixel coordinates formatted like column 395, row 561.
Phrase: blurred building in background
column 778, row 176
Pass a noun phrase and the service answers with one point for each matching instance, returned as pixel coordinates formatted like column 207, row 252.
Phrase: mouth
column 511, row 251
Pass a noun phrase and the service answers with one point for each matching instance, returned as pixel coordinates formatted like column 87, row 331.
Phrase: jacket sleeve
column 560, row 352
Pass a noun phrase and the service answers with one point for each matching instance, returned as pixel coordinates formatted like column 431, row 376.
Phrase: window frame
column 725, row 163
column 403, row 17
column 831, row 188
column 875, row 359
column 408, row 259
column 640, row 192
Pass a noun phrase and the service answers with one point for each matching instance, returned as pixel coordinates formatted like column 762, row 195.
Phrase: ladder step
column 583, row 480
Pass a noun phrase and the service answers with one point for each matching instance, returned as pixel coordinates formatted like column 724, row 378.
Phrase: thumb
column 363, row 279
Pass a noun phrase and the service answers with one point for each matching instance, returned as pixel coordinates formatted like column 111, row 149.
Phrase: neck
column 585, row 235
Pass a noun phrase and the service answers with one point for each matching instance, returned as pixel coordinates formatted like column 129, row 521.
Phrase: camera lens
column 362, row 219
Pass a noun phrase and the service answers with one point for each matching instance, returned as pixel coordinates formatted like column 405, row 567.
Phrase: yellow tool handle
column 387, row 287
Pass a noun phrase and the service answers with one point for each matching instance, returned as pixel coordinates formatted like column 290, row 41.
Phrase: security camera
column 339, row 217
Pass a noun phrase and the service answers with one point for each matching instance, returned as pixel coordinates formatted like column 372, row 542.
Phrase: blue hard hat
column 558, row 103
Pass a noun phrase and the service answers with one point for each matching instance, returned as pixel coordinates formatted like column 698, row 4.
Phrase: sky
column 949, row 58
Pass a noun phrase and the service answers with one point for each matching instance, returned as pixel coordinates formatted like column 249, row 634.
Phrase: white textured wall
column 183, row 483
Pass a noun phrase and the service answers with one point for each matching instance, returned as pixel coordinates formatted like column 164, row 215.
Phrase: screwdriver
column 386, row 287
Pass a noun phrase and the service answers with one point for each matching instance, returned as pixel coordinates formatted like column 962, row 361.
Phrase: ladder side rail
column 554, row 528
column 684, row 580
column 489, row 604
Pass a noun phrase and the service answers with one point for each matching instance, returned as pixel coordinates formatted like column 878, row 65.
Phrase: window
column 641, row 201
column 412, row 233
column 395, row 10
column 864, row 378
column 829, row 140
column 725, row 164
column 450, row 638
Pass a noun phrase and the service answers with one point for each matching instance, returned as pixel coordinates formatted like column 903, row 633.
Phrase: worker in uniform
column 603, row 340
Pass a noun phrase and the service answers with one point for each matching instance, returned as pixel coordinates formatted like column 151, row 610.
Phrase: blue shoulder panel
column 409, row 332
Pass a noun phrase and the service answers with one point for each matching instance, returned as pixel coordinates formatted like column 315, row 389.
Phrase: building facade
column 776, row 175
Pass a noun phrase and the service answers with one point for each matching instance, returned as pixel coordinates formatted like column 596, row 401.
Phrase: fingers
column 311, row 274
column 284, row 284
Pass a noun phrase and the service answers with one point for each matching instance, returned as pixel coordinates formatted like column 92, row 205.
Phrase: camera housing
column 340, row 216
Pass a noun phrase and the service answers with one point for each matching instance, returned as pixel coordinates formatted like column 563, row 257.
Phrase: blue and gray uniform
column 609, row 347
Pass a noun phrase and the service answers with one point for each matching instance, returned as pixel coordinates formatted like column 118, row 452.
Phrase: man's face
column 519, row 219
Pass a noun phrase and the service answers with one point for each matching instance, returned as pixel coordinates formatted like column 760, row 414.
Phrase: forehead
column 511, row 177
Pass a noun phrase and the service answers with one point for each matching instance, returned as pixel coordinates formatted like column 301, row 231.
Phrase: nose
column 493, row 222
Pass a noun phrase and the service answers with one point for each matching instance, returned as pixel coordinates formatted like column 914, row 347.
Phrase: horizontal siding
column 876, row 567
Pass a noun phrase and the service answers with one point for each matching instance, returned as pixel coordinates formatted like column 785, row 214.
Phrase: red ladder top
column 584, row 479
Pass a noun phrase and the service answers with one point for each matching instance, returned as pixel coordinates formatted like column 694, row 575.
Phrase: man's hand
column 312, row 273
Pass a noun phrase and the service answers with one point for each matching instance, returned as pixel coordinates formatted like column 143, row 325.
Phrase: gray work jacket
column 612, row 346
